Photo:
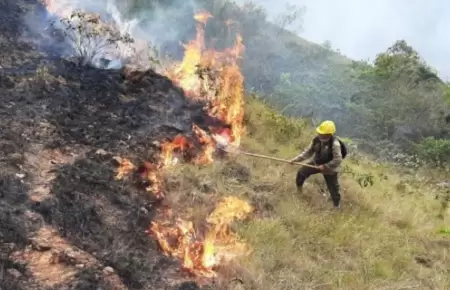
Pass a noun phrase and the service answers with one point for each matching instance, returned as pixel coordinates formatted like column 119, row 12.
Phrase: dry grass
column 385, row 237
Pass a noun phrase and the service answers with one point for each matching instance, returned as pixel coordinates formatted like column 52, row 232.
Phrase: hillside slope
column 67, row 222
column 322, row 76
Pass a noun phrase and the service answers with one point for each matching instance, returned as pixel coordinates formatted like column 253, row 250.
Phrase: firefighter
column 327, row 151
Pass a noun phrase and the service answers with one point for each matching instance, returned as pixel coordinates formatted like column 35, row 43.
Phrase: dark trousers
column 330, row 179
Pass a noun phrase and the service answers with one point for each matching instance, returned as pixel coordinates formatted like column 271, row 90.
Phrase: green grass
column 391, row 235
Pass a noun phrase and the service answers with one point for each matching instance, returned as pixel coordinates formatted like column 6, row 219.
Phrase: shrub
column 92, row 39
column 433, row 150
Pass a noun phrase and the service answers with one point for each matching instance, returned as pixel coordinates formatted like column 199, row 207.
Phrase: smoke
column 149, row 28
column 361, row 29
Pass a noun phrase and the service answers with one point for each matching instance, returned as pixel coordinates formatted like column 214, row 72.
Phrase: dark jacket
column 323, row 154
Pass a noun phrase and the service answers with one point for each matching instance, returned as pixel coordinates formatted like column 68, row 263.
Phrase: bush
column 94, row 41
column 433, row 150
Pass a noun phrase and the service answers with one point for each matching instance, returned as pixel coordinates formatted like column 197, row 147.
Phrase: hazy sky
column 363, row 28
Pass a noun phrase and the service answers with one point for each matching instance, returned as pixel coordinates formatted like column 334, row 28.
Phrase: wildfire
column 199, row 255
column 214, row 78
column 148, row 175
column 221, row 89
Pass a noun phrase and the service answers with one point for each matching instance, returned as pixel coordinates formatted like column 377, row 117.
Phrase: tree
column 401, row 59
column 400, row 98
column 92, row 39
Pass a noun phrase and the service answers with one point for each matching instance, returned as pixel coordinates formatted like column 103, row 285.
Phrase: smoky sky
column 360, row 29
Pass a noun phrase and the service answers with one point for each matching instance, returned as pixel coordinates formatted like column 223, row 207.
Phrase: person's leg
column 333, row 187
column 302, row 174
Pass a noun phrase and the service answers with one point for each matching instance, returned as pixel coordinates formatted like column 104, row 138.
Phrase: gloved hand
column 324, row 169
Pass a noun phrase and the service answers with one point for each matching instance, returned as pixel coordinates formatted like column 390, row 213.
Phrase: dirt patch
column 43, row 163
column 52, row 262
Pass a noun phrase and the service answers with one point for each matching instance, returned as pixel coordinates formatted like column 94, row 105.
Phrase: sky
column 360, row 29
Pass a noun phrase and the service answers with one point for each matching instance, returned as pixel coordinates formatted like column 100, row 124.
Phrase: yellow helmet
column 326, row 128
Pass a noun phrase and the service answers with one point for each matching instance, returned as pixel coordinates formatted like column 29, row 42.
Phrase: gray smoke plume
column 148, row 29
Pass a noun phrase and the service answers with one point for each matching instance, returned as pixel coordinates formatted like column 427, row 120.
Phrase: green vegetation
column 434, row 150
column 400, row 98
column 391, row 231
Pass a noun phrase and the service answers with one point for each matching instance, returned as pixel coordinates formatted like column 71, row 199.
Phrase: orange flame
column 125, row 167
column 224, row 97
column 208, row 146
column 154, row 182
column 180, row 145
column 200, row 256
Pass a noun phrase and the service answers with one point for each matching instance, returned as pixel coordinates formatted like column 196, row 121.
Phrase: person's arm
column 337, row 155
column 307, row 153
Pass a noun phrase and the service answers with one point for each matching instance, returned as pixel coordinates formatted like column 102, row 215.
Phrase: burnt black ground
column 49, row 103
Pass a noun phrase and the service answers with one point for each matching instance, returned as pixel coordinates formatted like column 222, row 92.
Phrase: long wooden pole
column 277, row 159
column 222, row 144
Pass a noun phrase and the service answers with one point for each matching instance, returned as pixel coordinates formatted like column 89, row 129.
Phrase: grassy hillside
column 68, row 222
column 393, row 234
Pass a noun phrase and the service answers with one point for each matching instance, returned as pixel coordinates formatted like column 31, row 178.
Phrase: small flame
column 125, row 167
column 200, row 256
column 208, row 146
column 150, row 175
column 202, row 17
column 179, row 145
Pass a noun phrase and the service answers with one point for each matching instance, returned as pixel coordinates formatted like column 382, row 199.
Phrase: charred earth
column 65, row 222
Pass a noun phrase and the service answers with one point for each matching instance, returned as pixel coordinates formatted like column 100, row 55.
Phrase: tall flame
column 222, row 92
